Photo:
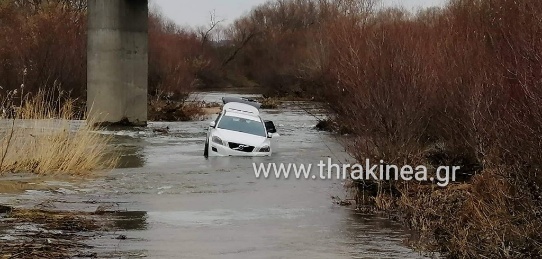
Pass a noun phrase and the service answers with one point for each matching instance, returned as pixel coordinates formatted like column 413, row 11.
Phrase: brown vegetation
column 40, row 135
column 175, row 57
column 44, row 42
column 453, row 86
column 161, row 110
column 274, row 44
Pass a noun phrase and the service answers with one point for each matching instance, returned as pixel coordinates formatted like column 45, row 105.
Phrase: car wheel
column 206, row 150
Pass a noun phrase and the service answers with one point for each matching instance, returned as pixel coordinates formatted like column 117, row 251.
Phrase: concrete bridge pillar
column 117, row 61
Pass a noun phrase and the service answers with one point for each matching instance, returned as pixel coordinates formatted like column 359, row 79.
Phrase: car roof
column 241, row 108
column 243, row 100
column 243, row 116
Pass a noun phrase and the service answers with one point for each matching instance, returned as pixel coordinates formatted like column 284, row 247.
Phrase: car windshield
column 242, row 125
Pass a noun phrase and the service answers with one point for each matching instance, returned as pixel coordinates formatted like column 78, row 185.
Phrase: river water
column 180, row 205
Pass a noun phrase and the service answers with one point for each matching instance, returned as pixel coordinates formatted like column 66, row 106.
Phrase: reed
column 41, row 135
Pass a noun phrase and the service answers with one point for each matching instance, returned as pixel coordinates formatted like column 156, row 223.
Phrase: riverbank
column 47, row 233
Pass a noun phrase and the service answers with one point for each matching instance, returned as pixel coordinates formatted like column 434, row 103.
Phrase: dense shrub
column 172, row 52
column 274, row 44
column 44, row 40
column 453, row 86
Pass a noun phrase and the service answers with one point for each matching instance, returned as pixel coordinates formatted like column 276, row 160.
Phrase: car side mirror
column 270, row 127
column 269, row 135
column 212, row 124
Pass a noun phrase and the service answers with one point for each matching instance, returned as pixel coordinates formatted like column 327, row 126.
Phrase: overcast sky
column 197, row 13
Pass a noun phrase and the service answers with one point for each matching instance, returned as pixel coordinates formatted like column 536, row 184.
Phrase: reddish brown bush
column 460, row 86
column 44, row 40
column 274, row 45
column 174, row 58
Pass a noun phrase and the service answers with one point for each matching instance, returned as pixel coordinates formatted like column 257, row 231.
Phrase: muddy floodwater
column 179, row 204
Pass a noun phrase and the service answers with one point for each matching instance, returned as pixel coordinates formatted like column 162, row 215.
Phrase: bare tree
column 205, row 33
column 242, row 35
column 77, row 5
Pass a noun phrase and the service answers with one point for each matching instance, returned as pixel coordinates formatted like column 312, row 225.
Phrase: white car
column 239, row 131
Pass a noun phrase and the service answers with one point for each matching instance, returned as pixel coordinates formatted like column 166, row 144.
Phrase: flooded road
column 181, row 205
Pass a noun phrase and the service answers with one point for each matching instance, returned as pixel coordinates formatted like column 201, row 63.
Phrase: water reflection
column 131, row 220
column 375, row 236
column 131, row 157
column 130, row 151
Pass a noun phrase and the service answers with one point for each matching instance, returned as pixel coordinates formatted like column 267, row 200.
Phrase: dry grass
column 481, row 218
column 43, row 138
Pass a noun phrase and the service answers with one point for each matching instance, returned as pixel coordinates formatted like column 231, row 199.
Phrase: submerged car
column 239, row 131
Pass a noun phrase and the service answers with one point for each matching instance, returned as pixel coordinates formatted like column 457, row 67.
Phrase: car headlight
column 265, row 149
column 217, row 140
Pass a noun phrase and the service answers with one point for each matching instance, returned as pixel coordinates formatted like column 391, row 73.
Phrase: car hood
column 240, row 137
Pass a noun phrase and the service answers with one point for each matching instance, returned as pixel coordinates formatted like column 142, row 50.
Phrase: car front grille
column 240, row 147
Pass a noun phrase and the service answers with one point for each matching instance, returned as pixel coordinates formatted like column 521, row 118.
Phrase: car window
column 242, row 125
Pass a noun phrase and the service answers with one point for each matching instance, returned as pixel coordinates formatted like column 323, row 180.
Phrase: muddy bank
column 49, row 233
